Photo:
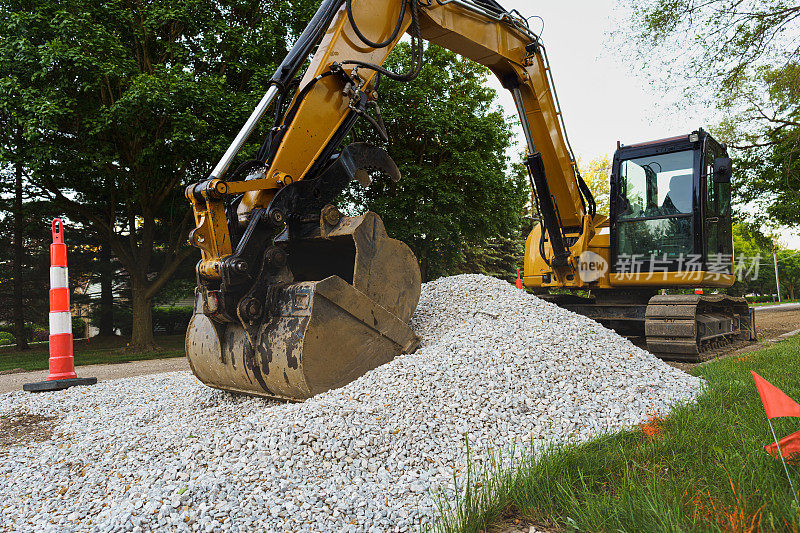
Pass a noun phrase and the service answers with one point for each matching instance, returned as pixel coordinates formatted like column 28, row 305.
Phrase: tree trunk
column 142, row 333
column 19, row 257
column 423, row 267
column 106, row 292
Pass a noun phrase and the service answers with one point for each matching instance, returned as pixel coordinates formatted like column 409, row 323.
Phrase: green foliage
column 122, row 317
column 33, row 332
column 769, row 176
column 789, row 273
column 78, row 327
column 36, row 261
column 742, row 56
column 449, row 139
column 6, row 338
column 166, row 320
column 597, row 175
column 499, row 257
column 752, row 245
column 81, row 257
column 180, row 288
column 705, row 468
column 720, row 45
column 760, row 299
column 753, row 249
column 123, row 103
column 171, row 320
column 40, row 333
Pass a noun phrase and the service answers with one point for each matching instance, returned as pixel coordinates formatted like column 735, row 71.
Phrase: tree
column 737, row 50
column 19, row 252
column 789, row 272
column 12, row 154
column 769, row 177
column 499, row 257
column 744, row 56
column 29, row 285
column 755, row 273
column 106, row 308
column 457, row 190
column 597, row 175
column 127, row 102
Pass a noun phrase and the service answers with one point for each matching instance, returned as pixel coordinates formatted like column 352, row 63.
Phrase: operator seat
column 679, row 197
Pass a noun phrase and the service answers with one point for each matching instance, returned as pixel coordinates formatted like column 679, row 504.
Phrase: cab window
column 655, row 206
column 656, row 186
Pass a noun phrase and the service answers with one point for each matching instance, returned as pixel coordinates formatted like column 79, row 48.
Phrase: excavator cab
column 669, row 228
column 671, row 211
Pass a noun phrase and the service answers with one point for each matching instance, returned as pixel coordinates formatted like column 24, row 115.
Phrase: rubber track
column 693, row 327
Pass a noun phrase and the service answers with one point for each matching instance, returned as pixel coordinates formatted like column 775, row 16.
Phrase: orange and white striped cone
column 62, row 363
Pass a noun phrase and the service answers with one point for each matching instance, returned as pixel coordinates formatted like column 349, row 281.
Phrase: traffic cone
column 519, row 281
column 62, row 363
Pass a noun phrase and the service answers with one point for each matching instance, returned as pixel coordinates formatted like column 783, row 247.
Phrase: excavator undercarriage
column 691, row 327
column 674, row 327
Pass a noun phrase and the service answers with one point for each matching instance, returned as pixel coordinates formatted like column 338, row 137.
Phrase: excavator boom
column 293, row 298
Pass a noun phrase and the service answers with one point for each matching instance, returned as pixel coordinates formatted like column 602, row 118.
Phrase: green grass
column 705, row 469
column 764, row 304
column 95, row 351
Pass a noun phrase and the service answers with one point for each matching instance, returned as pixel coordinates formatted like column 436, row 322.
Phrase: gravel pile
column 497, row 367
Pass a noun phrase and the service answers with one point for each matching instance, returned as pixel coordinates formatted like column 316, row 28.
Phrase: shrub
column 761, row 298
column 78, row 328
column 171, row 320
column 166, row 320
column 40, row 333
column 7, row 338
column 32, row 331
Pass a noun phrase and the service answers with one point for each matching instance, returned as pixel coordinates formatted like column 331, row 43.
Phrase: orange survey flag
column 790, row 448
column 776, row 402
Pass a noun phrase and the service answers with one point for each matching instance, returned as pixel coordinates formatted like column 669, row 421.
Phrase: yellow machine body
column 293, row 298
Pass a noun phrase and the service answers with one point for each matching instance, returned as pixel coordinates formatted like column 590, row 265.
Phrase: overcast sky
column 604, row 96
column 603, row 99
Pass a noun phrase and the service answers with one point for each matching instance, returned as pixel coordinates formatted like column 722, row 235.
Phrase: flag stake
column 783, row 461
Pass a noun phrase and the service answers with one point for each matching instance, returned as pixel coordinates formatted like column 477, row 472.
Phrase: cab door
column 717, row 214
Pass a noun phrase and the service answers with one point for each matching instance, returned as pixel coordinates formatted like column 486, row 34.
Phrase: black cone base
column 57, row 384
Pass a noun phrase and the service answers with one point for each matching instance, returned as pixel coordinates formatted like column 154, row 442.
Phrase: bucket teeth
column 319, row 334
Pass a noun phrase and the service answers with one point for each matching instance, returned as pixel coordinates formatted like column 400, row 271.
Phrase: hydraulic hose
column 416, row 44
column 364, row 38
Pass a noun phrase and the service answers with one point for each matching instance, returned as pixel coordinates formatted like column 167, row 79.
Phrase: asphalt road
column 14, row 382
column 777, row 307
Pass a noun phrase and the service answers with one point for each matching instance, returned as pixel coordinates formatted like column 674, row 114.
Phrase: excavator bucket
column 346, row 312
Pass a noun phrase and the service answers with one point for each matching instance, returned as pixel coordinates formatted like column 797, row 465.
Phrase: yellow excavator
column 294, row 298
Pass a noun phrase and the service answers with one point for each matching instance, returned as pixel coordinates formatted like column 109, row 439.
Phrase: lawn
column 702, row 469
column 94, row 351
column 765, row 304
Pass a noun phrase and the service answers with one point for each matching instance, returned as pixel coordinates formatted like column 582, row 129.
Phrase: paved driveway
column 777, row 307
column 14, row 382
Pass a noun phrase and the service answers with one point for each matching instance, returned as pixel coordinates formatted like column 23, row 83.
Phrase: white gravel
column 164, row 452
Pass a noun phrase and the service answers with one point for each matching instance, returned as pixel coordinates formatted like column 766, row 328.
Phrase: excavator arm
column 267, row 230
